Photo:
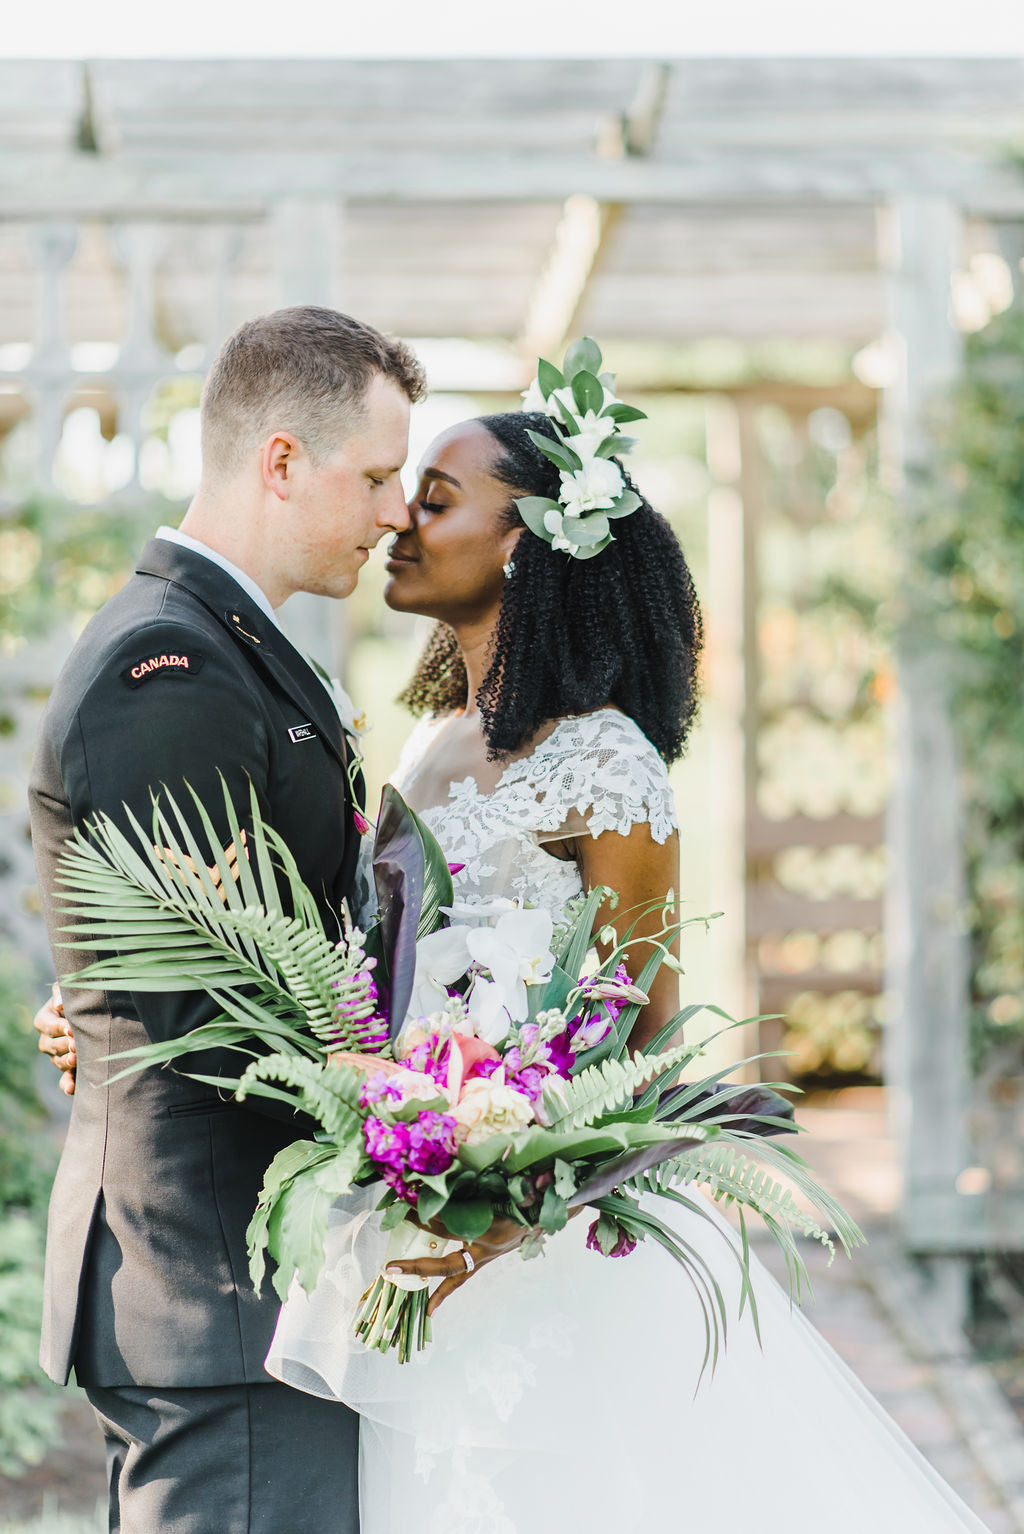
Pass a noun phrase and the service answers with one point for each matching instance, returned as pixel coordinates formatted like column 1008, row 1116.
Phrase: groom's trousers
column 228, row 1459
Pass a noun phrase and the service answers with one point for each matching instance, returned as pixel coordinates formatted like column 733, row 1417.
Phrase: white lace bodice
column 595, row 772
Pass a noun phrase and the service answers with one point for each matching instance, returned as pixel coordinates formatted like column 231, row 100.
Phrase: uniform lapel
column 250, row 627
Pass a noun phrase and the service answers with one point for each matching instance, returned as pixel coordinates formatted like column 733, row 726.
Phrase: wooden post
column 927, row 968
column 726, row 715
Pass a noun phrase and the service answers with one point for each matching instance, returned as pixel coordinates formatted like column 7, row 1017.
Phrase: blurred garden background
column 808, row 274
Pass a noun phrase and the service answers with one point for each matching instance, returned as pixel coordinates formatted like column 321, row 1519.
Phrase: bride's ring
column 467, row 1257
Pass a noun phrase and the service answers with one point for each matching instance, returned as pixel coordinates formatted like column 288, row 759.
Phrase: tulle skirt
column 560, row 1392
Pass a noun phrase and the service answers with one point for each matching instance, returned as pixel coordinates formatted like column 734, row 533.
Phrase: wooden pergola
column 146, row 208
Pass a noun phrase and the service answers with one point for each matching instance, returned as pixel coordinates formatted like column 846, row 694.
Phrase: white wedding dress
column 558, row 1393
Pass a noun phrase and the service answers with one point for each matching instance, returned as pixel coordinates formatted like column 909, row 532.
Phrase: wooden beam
column 767, row 837
column 213, row 184
column 770, row 910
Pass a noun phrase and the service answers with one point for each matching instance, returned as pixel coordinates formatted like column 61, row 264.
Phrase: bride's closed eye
column 431, row 505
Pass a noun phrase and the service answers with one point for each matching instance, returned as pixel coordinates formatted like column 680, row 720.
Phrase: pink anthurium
column 467, row 1050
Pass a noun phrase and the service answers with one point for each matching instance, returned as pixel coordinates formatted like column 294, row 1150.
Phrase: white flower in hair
column 559, row 524
column 595, row 487
column 533, row 399
column 594, row 429
column 584, row 414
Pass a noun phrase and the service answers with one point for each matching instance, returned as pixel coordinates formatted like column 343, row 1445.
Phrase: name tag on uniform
column 301, row 732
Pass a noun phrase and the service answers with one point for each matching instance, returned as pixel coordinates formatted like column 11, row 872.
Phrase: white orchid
column 593, row 430
column 533, row 399
column 561, row 534
column 595, row 487
column 441, row 958
column 488, row 1011
column 517, row 952
column 477, row 908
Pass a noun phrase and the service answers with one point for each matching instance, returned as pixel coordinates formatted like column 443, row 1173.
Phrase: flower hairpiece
column 583, row 408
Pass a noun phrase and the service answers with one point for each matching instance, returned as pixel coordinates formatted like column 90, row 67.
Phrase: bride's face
column 449, row 563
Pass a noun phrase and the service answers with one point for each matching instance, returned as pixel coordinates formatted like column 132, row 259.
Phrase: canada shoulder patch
column 163, row 663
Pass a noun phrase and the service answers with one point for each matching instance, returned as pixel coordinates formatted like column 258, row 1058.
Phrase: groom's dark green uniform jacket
column 180, row 678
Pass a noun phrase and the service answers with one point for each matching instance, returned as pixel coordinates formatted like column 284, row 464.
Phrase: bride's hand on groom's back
column 56, row 1039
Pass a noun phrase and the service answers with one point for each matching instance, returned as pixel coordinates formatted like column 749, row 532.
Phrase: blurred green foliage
column 28, row 1403
column 968, row 594
column 60, row 561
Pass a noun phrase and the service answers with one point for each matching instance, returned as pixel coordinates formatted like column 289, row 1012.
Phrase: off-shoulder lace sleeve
column 598, row 769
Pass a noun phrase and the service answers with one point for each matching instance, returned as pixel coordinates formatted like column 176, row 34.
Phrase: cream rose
column 487, row 1107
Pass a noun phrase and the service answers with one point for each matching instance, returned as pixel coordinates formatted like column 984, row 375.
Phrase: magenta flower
column 423, row 1059
column 431, row 1143
column 372, row 1031
column 379, row 1088
column 589, row 1028
column 387, row 1144
column 425, row 1147
column 623, row 1246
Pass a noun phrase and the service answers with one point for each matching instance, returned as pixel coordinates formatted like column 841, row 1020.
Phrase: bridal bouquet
column 467, row 1061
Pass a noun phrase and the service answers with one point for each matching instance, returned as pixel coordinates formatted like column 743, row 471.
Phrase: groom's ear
column 277, row 462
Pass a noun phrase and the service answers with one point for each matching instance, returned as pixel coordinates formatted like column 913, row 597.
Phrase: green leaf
column 560, row 455
column 286, row 1165
column 336, row 1176
column 554, row 1211
column 565, row 1179
column 554, row 993
column 548, row 377
column 582, row 355
column 593, row 528
column 588, row 551
column 620, row 413
column 437, row 878
column 626, row 503
column 430, row 1203
column 568, row 418
column 533, row 509
column 296, row 1232
column 577, row 940
column 468, row 1218
column 394, row 1214
column 587, row 392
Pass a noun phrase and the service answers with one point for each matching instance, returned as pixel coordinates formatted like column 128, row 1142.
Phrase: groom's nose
column 392, row 512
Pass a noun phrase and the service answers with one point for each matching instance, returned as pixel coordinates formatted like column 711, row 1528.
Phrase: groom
column 185, row 676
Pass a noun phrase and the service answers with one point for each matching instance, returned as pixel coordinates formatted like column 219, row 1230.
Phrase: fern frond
column 732, row 1176
column 792, row 1166
column 605, row 1087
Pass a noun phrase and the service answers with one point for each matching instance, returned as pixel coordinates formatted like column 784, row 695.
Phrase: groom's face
column 342, row 505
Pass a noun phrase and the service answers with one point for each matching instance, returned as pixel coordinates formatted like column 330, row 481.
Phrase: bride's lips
column 396, row 559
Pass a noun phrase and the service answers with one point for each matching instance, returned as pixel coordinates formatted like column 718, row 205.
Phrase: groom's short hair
column 304, row 370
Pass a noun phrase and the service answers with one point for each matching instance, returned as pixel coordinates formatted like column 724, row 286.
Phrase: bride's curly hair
column 576, row 634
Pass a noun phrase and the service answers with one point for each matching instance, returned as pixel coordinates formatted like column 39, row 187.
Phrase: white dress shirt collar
column 248, row 585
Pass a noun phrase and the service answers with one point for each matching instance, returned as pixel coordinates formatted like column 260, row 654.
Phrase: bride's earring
column 508, row 569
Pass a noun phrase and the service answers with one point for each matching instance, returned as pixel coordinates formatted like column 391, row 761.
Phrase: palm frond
column 172, row 914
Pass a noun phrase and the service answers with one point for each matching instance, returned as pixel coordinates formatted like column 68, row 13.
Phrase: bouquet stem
column 391, row 1317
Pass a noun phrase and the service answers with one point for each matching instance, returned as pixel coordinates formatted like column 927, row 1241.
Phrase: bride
column 552, row 694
